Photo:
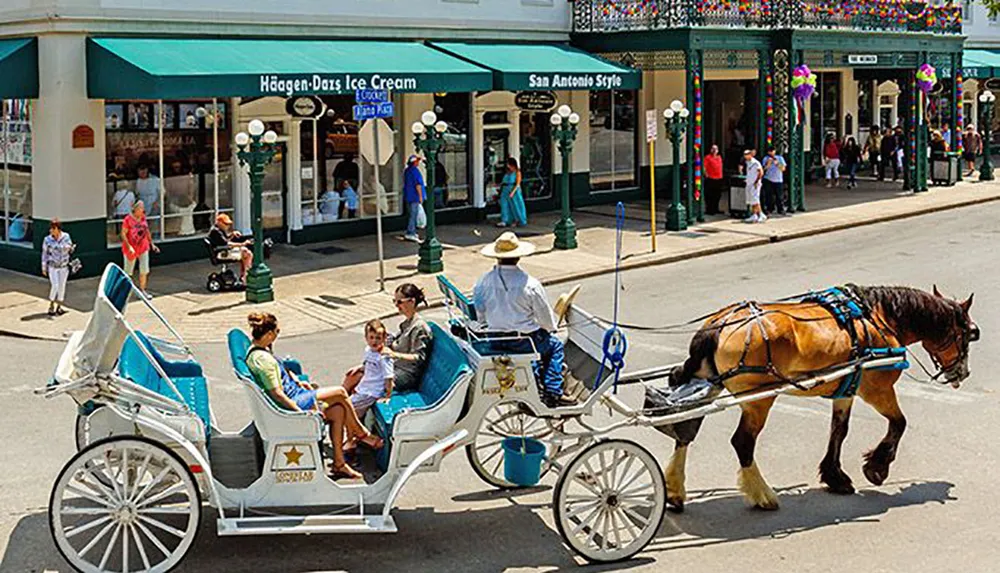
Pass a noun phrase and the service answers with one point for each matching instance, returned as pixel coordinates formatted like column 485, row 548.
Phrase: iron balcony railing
column 940, row 16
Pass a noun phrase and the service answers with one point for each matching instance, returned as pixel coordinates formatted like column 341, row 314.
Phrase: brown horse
column 750, row 347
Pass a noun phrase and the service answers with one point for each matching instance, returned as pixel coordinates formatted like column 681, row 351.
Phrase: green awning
column 518, row 67
column 980, row 64
column 19, row 68
column 146, row 68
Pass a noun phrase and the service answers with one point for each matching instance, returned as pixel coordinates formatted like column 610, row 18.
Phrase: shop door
column 274, row 196
column 496, row 150
column 536, row 155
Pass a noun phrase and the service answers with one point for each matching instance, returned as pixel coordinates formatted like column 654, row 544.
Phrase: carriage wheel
column 609, row 501
column 124, row 504
column 505, row 420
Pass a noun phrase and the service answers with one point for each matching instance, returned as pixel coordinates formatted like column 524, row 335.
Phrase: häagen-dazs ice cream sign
column 337, row 83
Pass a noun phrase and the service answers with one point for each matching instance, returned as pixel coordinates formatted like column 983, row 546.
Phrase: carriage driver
column 509, row 300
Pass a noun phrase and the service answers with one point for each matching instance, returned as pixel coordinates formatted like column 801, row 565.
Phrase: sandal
column 372, row 441
column 345, row 472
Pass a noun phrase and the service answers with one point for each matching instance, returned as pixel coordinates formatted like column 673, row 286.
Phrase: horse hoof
column 841, row 489
column 767, row 505
column 675, row 505
column 875, row 476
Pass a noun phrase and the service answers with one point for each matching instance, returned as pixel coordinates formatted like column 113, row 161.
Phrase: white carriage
column 151, row 454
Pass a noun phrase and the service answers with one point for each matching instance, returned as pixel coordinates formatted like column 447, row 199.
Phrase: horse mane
column 911, row 310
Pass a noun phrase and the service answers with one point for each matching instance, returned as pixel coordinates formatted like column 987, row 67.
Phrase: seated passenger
column 409, row 348
column 289, row 392
column 509, row 300
column 377, row 375
column 222, row 236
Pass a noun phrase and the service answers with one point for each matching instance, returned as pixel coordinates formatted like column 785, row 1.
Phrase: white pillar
column 293, row 210
column 241, row 179
column 66, row 183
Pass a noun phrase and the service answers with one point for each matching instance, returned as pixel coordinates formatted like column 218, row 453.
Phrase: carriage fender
column 446, row 444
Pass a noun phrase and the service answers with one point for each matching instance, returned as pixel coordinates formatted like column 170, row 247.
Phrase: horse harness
column 846, row 307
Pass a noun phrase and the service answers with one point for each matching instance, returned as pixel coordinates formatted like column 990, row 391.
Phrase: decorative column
column 908, row 93
column 957, row 121
column 986, row 103
column 564, row 123
column 765, row 93
column 694, row 75
column 676, row 118
column 796, row 145
column 921, row 145
column 255, row 152
column 428, row 137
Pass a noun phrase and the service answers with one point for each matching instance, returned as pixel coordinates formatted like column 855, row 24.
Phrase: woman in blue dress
column 512, row 210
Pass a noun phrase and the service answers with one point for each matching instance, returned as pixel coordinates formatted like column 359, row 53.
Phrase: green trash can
column 944, row 168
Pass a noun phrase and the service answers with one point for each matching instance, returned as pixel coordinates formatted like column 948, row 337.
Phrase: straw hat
column 563, row 303
column 508, row 246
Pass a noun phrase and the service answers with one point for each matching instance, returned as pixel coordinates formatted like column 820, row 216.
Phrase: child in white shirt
column 376, row 382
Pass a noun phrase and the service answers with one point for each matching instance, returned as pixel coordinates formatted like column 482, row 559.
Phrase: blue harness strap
column 845, row 310
column 615, row 344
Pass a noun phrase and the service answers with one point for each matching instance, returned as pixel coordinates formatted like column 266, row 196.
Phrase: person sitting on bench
column 231, row 245
column 509, row 300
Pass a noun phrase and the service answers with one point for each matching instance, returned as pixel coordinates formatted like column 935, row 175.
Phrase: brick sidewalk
column 332, row 286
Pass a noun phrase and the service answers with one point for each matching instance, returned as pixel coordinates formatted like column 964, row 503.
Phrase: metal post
column 378, row 211
column 430, row 249
column 255, row 155
column 6, row 173
column 215, row 155
column 161, row 117
column 676, row 213
column 652, row 194
column 986, row 122
column 315, row 170
column 565, row 229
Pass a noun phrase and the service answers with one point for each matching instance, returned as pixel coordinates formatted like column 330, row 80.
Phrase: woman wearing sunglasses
column 410, row 348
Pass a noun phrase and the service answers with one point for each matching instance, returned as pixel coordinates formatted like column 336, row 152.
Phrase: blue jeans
column 411, row 224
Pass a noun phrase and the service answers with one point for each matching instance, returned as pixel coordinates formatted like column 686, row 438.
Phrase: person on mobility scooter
column 226, row 245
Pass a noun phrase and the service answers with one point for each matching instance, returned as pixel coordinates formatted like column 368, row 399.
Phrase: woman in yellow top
column 293, row 394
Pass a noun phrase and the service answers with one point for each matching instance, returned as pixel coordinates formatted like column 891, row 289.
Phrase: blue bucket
column 522, row 460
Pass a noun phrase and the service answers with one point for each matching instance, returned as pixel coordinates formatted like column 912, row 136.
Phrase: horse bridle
column 968, row 335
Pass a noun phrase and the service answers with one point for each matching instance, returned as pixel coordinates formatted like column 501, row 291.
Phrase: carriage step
column 306, row 524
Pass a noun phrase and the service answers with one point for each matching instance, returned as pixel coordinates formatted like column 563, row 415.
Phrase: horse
column 749, row 346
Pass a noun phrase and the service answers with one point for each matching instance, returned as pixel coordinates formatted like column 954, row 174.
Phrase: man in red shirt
column 714, row 183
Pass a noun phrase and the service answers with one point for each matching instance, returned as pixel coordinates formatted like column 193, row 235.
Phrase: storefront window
column 451, row 174
column 866, row 104
column 825, row 110
column 612, row 140
column 196, row 168
column 15, row 141
column 536, row 155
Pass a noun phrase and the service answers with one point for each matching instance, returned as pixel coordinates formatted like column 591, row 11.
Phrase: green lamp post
column 564, row 123
column 256, row 151
column 428, row 137
column 986, row 102
column 676, row 118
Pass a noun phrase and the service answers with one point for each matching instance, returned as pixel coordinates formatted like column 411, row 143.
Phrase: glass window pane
column 612, row 139
column 601, row 138
column 451, row 174
column 15, row 185
column 624, row 139
column 536, row 155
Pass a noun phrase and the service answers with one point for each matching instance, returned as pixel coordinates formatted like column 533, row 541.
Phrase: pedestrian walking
column 831, row 160
column 850, row 156
column 887, row 153
column 873, row 148
column 774, row 183
column 512, row 209
column 902, row 157
column 755, row 174
column 137, row 242
column 414, row 195
column 56, row 250
column 714, row 182
column 972, row 146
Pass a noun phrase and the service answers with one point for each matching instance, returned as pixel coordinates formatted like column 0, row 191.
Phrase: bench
column 272, row 421
column 186, row 375
column 455, row 298
column 448, row 369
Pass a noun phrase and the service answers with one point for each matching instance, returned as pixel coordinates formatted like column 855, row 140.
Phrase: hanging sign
column 371, row 96
column 365, row 111
column 862, row 59
column 535, row 101
column 305, row 107
column 83, row 137
column 652, row 122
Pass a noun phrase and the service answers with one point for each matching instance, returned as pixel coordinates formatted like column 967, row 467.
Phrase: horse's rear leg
column 676, row 476
column 751, row 482
column 830, row 471
column 882, row 396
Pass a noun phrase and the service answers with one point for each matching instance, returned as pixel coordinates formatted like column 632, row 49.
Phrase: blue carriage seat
column 186, row 375
column 239, row 345
column 457, row 298
column 447, row 363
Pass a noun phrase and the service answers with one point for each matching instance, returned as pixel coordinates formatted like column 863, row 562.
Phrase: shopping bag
column 421, row 216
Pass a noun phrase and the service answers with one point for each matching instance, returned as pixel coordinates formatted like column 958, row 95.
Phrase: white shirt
column 123, row 202
column 508, row 299
column 148, row 190
column 754, row 169
column 378, row 368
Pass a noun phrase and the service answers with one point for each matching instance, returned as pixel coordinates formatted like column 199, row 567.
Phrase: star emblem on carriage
column 292, row 456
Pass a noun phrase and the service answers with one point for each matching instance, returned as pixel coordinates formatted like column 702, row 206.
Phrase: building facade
column 119, row 100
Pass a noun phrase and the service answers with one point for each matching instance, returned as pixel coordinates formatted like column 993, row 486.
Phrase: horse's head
column 950, row 351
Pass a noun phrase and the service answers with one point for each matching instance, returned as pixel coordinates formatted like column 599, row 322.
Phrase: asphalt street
column 936, row 513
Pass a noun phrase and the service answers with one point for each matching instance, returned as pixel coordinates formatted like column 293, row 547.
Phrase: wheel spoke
column 592, row 536
column 604, row 532
column 85, row 511
column 125, row 480
column 176, row 488
column 639, row 472
column 95, row 484
column 628, row 466
column 125, row 537
column 496, row 469
column 489, row 444
column 80, row 529
column 617, row 530
column 113, row 475
column 604, row 470
column 635, row 490
column 89, row 496
column 616, row 467
column 160, row 525
column 142, row 472
column 585, row 521
column 139, row 546
column 633, row 530
column 160, row 510
column 588, row 486
column 111, row 545
column 582, row 508
column 156, row 480
column 156, row 542
column 635, row 516
column 100, row 535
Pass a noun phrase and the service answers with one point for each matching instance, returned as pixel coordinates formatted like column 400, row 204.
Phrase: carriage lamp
column 255, row 152
column 564, row 122
column 986, row 101
column 428, row 137
column 676, row 118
